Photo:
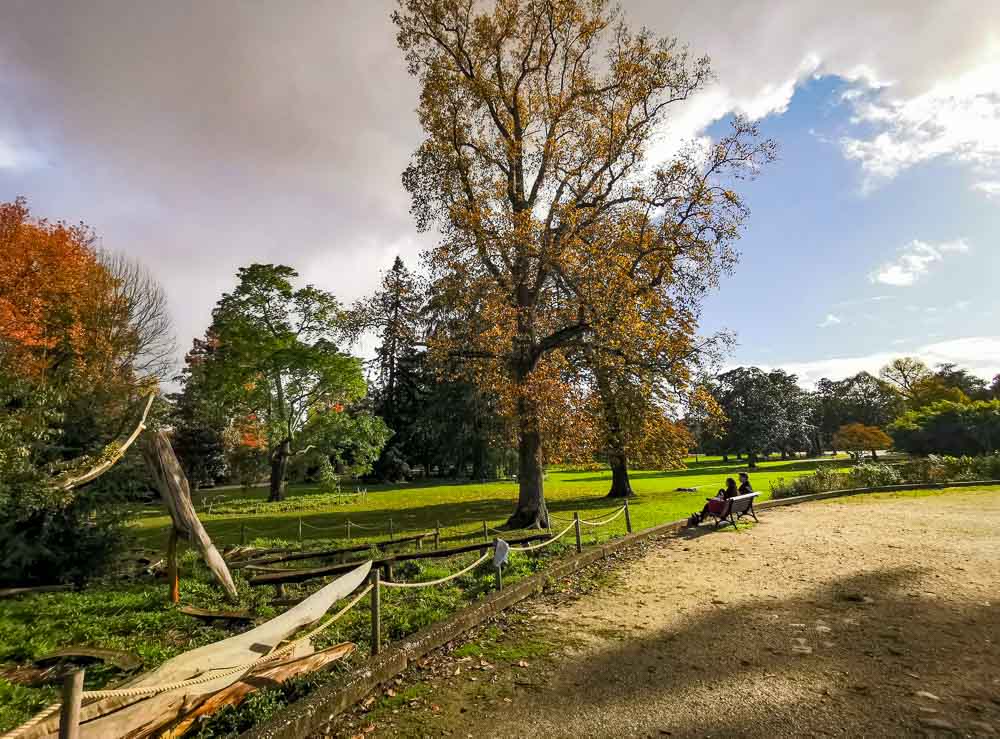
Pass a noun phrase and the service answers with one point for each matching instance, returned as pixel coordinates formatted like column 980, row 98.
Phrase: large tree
column 79, row 333
column 754, row 404
column 905, row 374
column 275, row 358
column 393, row 313
column 538, row 118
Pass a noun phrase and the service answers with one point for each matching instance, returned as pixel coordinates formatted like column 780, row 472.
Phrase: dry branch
column 72, row 482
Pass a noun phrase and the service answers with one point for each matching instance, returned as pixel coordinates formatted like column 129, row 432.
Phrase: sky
column 199, row 137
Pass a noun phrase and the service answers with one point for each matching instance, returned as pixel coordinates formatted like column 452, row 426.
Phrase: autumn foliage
column 858, row 438
column 51, row 290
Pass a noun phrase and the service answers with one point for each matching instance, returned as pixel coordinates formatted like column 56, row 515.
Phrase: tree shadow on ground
column 848, row 654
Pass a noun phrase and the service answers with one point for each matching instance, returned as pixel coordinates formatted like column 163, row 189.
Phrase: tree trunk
column 620, row 485
column 279, row 466
column 752, row 460
column 531, row 511
column 176, row 494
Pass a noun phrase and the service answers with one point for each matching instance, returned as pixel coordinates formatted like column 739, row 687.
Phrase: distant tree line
column 908, row 406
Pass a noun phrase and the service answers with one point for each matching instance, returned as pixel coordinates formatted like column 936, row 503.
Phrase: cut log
column 317, row 553
column 176, row 493
column 132, row 717
column 214, row 615
column 125, row 661
column 241, row 552
column 287, row 576
column 265, row 678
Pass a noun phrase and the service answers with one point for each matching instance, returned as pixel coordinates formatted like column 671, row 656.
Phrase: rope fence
column 439, row 581
column 373, row 588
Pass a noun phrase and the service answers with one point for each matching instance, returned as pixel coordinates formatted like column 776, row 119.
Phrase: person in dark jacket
column 745, row 487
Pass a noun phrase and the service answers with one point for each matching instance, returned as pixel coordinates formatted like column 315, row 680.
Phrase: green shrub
column 873, row 475
column 327, row 479
column 44, row 540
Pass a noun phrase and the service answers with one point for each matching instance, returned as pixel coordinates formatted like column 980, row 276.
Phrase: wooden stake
column 300, row 530
column 172, row 576
column 348, row 529
column 628, row 518
column 486, row 535
column 579, row 541
column 437, row 536
column 376, row 612
column 72, row 696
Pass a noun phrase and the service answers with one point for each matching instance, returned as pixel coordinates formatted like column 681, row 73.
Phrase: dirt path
column 864, row 617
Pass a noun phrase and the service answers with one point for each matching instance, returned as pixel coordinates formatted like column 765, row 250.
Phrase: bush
column 873, row 475
column 248, row 465
column 391, row 466
column 821, row 481
column 932, row 469
column 45, row 540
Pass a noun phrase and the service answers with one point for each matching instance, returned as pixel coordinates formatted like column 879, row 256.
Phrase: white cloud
column 957, row 118
column 830, row 320
column 990, row 189
column 979, row 354
column 16, row 157
column 915, row 261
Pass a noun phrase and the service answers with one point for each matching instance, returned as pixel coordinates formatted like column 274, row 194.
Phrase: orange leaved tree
column 857, row 438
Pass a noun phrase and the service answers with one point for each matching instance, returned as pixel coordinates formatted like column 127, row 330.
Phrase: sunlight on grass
column 458, row 507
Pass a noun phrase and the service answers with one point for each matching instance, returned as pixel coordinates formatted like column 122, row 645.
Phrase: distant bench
column 735, row 509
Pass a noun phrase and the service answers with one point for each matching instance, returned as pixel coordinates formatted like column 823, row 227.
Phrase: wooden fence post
column 72, row 696
column 172, row 576
column 376, row 612
column 486, row 534
column 300, row 530
column 628, row 518
column 579, row 540
column 437, row 536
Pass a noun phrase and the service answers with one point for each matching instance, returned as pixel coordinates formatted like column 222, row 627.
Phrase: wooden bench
column 735, row 509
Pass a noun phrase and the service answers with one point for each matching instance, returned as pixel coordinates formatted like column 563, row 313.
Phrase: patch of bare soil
column 863, row 617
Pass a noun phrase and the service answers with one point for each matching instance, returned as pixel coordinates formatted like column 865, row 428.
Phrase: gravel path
column 862, row 617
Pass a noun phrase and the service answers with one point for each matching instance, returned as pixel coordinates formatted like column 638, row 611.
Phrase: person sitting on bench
column 717, row 504
column 745, row 487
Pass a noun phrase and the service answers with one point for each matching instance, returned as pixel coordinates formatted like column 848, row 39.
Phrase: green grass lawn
column 459, row 507
column 134, row 615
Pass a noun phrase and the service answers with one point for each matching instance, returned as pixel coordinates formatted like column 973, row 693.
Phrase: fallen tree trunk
column 176, row 493
column 265, row 678
column 135, row 716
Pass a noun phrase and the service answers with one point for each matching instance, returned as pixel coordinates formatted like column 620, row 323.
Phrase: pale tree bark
column 176, row 494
